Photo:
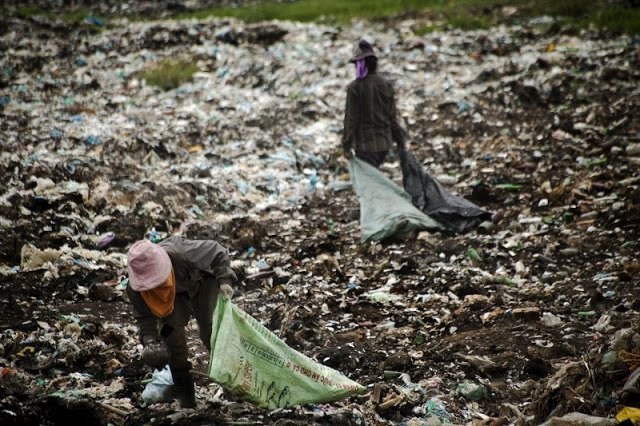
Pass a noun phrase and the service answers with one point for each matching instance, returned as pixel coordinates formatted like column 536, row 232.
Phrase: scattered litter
column 525, row 121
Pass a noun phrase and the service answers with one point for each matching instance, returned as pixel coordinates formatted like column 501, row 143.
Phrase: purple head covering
column 361, row 69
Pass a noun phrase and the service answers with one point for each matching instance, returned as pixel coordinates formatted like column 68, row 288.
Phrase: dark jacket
column 195, row 262
column 370, row 119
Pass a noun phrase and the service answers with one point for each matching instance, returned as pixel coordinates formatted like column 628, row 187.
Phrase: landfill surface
column 527, row 320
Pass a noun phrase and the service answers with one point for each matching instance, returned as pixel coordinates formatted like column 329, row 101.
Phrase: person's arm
column 397, row 132
column 155, row 352
column 145, row 320
column 209, row 257
column 350, row 123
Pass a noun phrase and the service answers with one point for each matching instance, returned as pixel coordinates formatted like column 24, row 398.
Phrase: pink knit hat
column 148, row 264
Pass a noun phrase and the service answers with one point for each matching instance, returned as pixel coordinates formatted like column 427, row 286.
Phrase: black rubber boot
column 184, row 389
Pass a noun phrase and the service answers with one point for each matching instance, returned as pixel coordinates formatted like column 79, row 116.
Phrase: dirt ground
column 552, row 146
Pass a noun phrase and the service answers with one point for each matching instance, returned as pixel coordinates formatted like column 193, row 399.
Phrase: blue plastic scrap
column 94, row 20
column 56, row 134
column 92, row 140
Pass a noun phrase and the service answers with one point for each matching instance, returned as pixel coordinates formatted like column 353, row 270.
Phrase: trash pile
column 531, row 319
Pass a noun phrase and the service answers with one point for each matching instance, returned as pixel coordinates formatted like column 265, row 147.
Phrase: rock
column 579, row 419
column 102, row 292
column 400, row 361
column 531, row 313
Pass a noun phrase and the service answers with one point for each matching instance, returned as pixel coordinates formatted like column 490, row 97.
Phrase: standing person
column 169, row 282
column 370, row 118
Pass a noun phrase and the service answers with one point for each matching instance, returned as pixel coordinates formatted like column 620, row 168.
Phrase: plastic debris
column 471, row 391
column 541, row 136
column 159, row 388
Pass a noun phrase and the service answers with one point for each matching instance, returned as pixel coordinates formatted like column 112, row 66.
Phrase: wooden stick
column 200, row 373
column 375, row 396
column 114, row 409
column 391, row 402
column 259, row 275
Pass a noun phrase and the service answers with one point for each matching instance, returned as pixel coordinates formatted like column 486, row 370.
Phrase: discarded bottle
column 509, row 186
column 474, row 255
column 586, row 314
column 390, row 374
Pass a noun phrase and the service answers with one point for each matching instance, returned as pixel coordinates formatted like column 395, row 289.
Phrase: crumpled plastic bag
column 385, row 209
column 252, row 363
column 428, row 195
column 159, row 388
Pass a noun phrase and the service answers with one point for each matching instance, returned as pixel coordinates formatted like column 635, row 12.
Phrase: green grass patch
column 466, row 20
column 29, row 11
column 72, row 16
column 333, row 11
column 427, row 29
column 168, row 74
column 24, row 12
column 458, row 14
column 566, row 8
column 612, row 15
column 582, row 14
column 619, row 19
column 463, row 14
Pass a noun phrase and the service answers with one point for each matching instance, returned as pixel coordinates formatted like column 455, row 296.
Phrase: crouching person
column 168, row 283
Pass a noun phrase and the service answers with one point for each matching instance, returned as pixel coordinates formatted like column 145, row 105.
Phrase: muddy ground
column 539, row 313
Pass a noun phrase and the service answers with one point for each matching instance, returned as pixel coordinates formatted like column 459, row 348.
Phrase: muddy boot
column 184, row 389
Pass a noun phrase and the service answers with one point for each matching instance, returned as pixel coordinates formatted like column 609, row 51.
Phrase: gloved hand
column 155, row 353
column 226, row 290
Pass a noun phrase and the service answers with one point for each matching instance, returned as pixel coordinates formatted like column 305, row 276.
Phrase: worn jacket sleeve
column 350, row 121
column 397, row 132
column 211, row 258
column 145, row 320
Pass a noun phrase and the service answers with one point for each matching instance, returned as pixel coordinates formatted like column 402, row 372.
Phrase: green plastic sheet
column 385, row 208
column 254, row 364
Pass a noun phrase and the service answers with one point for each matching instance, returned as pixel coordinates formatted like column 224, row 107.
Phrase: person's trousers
column 373, row 158
column 201, row 306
